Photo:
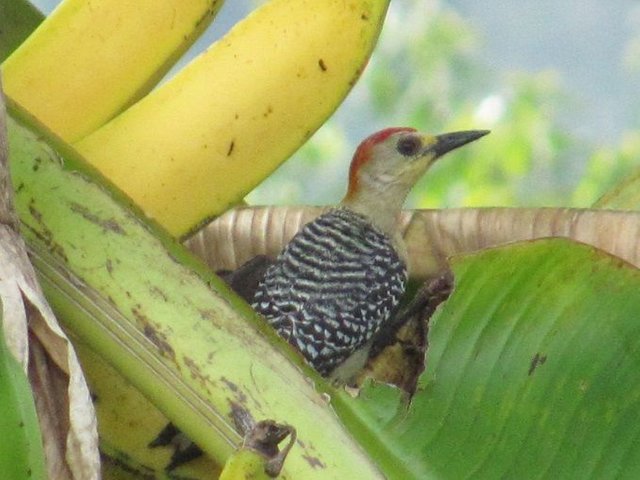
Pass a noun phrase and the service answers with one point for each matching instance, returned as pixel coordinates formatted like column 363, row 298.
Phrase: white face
column 387, row 165
column 399, row 160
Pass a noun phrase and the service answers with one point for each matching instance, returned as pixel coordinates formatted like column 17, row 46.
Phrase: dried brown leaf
column 432, row 236
column 64, row 407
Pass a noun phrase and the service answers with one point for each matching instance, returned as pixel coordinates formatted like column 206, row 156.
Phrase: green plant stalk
column 21, row 452
column 166, row 324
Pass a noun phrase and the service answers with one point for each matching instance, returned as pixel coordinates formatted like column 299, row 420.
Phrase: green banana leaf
column 18, row 18
column 21, row 452
column 531, row 372
column 624, row 196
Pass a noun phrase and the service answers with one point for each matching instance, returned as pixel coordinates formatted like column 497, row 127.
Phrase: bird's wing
column 332, row 287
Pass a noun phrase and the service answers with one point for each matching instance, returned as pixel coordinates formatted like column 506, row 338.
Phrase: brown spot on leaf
column 322, row 65
column 240, row 396
column 538, row 359
column 232, row 386
column 209, row 315
column 195, row 372
column 152, row 333
column 158, row 293
column 44, row 234
column 35, row 213
column 109, row 224
column 231, row 147
column 315, row 462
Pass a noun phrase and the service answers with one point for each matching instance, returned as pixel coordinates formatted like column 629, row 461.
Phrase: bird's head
column 388, row 163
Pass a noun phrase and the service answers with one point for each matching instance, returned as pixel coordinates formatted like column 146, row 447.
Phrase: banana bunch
column 235, row 112
column 195, row 146
column 91, row 60
column 163, row 338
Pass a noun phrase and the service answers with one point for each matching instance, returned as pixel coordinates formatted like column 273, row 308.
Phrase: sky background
column 586, row 41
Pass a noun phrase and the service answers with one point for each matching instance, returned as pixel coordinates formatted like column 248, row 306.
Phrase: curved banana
column 200, row 142
column 128, row 422
column 89, row 60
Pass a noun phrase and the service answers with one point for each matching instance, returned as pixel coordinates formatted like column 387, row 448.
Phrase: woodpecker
column 342, row 276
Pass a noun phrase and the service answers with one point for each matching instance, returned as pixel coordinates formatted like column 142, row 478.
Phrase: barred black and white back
column 332, row 287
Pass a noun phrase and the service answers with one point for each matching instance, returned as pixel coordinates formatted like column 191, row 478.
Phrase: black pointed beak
column 450, row 141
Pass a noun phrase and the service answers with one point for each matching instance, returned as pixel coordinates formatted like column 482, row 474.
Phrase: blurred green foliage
column 426, row 73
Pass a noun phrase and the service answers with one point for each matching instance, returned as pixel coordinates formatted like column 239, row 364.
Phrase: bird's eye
column 409, row 145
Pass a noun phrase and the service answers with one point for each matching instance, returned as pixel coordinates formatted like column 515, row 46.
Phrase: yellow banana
column 127, row 422
column 90, row 60
column 200, row 142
